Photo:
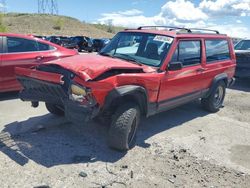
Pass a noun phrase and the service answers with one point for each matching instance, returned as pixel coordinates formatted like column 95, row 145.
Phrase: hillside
column 41, row 24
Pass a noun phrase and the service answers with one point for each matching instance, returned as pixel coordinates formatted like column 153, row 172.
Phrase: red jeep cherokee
column 141, row 72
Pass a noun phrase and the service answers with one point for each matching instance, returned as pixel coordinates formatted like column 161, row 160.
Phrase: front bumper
column 37, row 90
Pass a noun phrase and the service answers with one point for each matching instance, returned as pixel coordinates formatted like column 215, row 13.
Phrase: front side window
column 16, row 45
column 142, row 48
column 217, row 50
column 188, row 52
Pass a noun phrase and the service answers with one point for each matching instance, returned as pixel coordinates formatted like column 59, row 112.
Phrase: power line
column 47, row 7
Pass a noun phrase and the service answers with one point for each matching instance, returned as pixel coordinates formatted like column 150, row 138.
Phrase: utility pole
column 47, row 7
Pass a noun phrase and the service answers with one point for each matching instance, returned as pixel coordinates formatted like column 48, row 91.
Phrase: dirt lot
column 184, row 147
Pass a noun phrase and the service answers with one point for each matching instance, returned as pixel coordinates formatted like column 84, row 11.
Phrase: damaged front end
column 55, row 85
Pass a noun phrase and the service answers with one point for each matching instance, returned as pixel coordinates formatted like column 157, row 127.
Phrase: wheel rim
column 218, row 96
column 132, row 131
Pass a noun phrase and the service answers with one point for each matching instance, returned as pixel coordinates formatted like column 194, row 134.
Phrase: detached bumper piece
column 37, row 90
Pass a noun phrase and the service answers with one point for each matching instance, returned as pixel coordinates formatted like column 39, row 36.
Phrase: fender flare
column 217, row 79
column 138, row 93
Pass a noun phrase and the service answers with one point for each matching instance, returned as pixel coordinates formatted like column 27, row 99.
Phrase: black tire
column 122, row 132
column 54, row 109
column 215, row 100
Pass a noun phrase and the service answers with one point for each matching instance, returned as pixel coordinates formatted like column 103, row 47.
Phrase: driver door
column 183, row 85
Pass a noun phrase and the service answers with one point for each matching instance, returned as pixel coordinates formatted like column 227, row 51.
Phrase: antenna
column 2, row 6
column 47, row 7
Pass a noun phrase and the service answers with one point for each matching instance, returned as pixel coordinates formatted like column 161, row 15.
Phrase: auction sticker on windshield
column 161, row 38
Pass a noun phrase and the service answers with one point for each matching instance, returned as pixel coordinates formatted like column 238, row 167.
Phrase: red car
column 141, row 72
column 24, row 51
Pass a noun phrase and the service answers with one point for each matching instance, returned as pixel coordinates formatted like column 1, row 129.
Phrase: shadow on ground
column 8, row 96
column 242, row 85
column 49, row 140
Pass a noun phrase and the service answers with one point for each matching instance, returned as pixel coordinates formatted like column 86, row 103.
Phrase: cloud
column 233, row 31
column 184, row 13
column 225, row 7
column 238, row 21
column 183, row 10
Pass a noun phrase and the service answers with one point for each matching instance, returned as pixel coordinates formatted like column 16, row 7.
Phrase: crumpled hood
column 90, row 66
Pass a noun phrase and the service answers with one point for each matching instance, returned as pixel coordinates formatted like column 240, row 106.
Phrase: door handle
column 39, row 58
column 200, row 69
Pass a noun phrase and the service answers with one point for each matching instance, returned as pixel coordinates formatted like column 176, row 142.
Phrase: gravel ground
column 184, row 147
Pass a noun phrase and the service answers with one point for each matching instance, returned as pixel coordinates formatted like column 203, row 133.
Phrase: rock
column 182, row 151
column 176, row 157
column 83, row 174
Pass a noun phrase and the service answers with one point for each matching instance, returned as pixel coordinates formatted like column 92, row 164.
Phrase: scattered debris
column 81, row 159
column 124, row 166
column 42, row 186
column 238, row 174
column 109, row 171
column 131, row 174
column 39, row 129
column 83, row 174
column 171, row 180
column 203, row 138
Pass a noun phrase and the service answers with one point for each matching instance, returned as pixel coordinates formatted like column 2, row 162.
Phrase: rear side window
column 15, row 45
column 217, row 50
column 45, row 47
column 188, row 52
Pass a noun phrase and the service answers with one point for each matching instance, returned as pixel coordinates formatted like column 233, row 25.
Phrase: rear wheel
column 215, row 100
column 122, row 132
column 55, row 109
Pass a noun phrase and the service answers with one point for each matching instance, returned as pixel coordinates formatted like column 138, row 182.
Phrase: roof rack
column 202, row 30
column 181, row 29
column 170, row 28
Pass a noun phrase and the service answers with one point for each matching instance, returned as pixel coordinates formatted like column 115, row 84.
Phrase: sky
column 228, row 16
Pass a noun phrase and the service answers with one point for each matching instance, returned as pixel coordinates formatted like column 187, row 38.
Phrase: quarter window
column 15, row 45
column 45, row 47
column 188, row 52
column 217, row 50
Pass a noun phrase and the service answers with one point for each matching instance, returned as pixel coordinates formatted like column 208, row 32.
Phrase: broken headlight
column 81, row 94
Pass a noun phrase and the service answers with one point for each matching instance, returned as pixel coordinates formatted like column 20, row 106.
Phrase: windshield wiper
column 128, row 58
column 105, row 54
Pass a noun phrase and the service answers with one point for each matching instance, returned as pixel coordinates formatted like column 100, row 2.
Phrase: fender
column 138, row 93
column 217, row 78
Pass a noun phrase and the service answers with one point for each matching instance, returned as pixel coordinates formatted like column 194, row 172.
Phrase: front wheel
column 55, row 109
column 122, row 132
column 215, row 100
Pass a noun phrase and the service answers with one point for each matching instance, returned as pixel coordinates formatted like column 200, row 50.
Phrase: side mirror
column 173, row 66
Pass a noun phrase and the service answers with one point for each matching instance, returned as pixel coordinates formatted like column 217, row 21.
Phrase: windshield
column 142, row 48
column 243, row 45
